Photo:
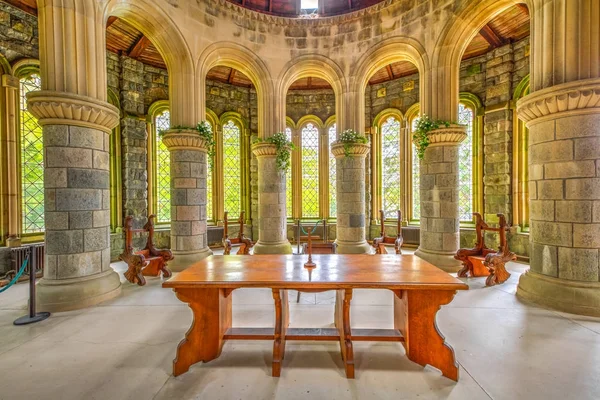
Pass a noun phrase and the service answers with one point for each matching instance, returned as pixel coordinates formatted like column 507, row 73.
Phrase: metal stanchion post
column 33, row 316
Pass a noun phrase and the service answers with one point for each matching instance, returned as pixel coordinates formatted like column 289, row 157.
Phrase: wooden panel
column 333, row 271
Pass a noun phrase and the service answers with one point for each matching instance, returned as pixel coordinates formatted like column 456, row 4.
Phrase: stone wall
column 400, row 93
column 18, row 34
column 319, row 102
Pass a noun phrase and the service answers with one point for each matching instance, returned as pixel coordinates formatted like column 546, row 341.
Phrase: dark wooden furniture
column 240, row 241
column 149, row 261
column 420, row 290
column 380, row 242
column 484, row 261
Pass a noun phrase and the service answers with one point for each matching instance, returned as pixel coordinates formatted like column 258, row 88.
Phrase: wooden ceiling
column 122, row 38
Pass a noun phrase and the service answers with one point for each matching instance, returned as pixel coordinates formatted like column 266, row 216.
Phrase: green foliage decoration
column 284, row 149
column 350, row 137
column 421, row 134
column 204, row 130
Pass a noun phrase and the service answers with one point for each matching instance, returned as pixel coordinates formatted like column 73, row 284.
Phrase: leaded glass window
column 232, row 173
column 390, row 167
column 32, row 161
column 465, row 165
column 162, row 122
column 209, row 185
column 416, row 178
column 332, row 173
column 310, row 171
column 288, row 180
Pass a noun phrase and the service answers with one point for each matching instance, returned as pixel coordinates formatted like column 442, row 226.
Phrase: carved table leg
column 212, row 318
column 342, row 322
column 414, row 316
column 282, row 320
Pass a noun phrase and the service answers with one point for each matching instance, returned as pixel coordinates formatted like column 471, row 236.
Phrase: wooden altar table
column 420, row 290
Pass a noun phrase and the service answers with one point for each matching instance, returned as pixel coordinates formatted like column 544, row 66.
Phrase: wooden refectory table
column 420, row 289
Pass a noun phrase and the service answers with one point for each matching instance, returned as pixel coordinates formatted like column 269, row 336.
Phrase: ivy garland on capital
column 204, row 130
column 284, row 149
column 350, row 137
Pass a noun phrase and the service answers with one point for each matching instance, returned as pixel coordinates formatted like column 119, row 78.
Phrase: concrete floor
column 123, row 349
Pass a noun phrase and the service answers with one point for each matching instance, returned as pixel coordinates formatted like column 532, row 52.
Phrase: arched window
column 466, row 116
column 213, row 120
column 115, row 170
column 288, row 180
column 416, row 175
column 32, row 161
column 390, row 167
column 162, row 122
column 332, row 134
column 310, row 171
column 520, row 163
column 232, row 173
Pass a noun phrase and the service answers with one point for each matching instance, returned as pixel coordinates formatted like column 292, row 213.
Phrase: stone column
column 351, row 199
column 188, row 198
column 272, row 216
column 563, row 116
column 76, row 122
column 440, row 235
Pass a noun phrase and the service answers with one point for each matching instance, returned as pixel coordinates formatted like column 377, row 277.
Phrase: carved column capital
column 184, row 140
column 448, row 136
column 62, row 108
column 354, row 149
column 571, row 98
column 264, row 149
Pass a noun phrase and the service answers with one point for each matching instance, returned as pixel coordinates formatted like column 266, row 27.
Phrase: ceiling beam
column 139, row 46
column 389, row 71
column 231, row 76
column 309, row 82
column 270, row 5
column 523, row 8
column 490, row 36
column 110, row 21
column 22, row 6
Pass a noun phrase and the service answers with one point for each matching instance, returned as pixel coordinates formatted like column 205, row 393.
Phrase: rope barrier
column 17, row 276
column 313, row 229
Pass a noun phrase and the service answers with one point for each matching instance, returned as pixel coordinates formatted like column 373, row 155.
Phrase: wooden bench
column 149, row 261
column 484, row 261
column 380, row 242
column 240, row 241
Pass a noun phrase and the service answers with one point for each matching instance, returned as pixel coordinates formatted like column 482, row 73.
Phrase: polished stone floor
column 123, row 349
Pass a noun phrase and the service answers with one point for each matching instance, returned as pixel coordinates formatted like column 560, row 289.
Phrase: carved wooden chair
column 380, row 242
column 484, row 261
column 149, row 261
column 240, row 241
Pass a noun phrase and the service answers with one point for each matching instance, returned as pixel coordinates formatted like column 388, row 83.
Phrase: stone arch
column 155, row 24
column 233, row 55
column 452, row 44
column 387, row 52
column 313, row 65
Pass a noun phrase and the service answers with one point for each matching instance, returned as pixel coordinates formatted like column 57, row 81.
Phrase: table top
column 333, row 271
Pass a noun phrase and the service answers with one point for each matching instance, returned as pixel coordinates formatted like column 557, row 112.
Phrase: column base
column 441, row 259
column 353, row 247
column 184, row 259
column 272, row 248
column 575, row 297
column 55, row 295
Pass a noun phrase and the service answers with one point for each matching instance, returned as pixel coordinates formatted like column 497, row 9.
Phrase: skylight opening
column 309, row 4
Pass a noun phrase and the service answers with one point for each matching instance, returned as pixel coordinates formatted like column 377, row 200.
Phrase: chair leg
column 298, row 297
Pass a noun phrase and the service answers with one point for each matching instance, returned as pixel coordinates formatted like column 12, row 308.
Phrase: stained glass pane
column 163, row 170
column 390, row 167
column 209, row 187
column 310, row 171
column 416, row 178
column 288, row 180
column 332, row 174
column 32, row 162
column 232, row 175
column 465, row 166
